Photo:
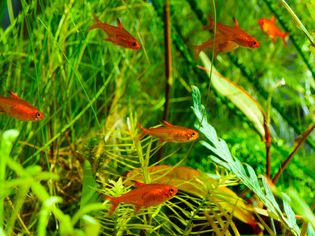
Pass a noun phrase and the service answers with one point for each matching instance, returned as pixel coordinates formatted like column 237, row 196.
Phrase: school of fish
column 226, row 39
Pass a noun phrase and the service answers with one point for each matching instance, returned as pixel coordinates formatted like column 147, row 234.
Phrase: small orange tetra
column 117, row 34
column 144, row 195
column 171, row 133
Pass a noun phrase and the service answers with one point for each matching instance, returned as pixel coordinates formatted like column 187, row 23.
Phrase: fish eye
column 38, row 115
column 171, row 191
column 134, row 44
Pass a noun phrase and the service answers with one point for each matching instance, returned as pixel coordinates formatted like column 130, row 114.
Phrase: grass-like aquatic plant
column 55, row 174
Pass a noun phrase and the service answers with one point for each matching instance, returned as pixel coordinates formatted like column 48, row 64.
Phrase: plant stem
column 296, row 148
column 168, row 64
column 268, row 145
column 168, row 59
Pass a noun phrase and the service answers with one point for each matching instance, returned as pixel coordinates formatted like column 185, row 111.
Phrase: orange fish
column 144, row 195
column 235, row 34
column 269, row 27
column 227, row 38
column 171, row 133
column 117, row 35
column 219, row 45
column 20, row 109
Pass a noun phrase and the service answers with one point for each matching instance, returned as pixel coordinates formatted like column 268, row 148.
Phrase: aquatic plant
column 55, row 174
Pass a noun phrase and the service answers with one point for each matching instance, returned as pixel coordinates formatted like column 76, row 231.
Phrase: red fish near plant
column 220, row 45
column 144, row 195
column 171, row 133
column 20, row 109
column 227, row 38
column 269, row 27
column 117, row 34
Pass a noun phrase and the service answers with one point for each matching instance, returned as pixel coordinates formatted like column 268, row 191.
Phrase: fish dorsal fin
column 14, row 95
column 120, row 25
column 235, row 22
column 139, row 184
column 273, row 19
column 166, row 123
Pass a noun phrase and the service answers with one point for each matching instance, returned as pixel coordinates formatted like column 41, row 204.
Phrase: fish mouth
column 135, row 46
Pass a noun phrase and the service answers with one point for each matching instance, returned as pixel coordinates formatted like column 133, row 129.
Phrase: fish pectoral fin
column 120, row 25
column 137, row 208
column 167, row 123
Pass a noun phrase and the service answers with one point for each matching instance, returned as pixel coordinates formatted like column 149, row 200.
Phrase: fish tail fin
column 115, row 203
column 143, row 130
column 283, row 36
column 197, row 50
column 211, row 24
column 98, row 24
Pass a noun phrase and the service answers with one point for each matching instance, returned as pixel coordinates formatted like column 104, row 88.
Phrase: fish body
column 117, row 34
column 235, row 34
column 220, row 46
column 171, row 133
column 269, row 27
column 144, row 195
column 227, row 38
column 20, row 109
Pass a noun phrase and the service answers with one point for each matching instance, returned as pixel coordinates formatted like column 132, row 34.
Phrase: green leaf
column 298, row 22
column 92, row 226
column 6, row 143
column 225, row 159
column 237, row 95
column 89, row 186
column 301, row 207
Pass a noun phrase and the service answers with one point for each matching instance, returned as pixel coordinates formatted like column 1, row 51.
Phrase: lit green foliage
column 54, row 176
column 222, row 156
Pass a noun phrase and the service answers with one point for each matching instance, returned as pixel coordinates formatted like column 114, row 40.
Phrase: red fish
column 235, row 34
column 20, row 109
column 219, row 45
column 171, row 133
column 227, row 38
column 144, row 195
column 117, row 35
column 269, row 27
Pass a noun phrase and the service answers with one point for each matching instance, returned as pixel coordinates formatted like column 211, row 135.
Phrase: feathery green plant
column 222, row 156
column 52, row 177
